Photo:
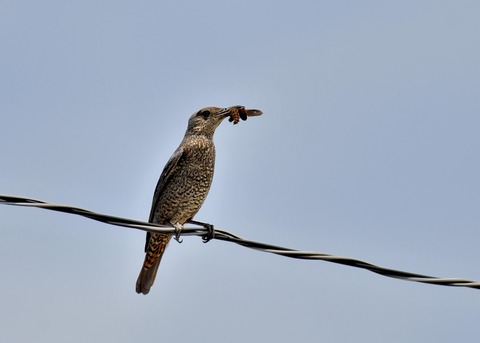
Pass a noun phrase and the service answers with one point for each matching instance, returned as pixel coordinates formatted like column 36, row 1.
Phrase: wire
column 229, row 237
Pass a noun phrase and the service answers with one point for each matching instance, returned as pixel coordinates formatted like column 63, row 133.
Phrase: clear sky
column 368, row 148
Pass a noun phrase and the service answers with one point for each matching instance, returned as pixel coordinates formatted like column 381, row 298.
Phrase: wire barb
column 208, row 231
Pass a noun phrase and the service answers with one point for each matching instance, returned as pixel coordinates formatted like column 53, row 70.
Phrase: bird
column 184, row 184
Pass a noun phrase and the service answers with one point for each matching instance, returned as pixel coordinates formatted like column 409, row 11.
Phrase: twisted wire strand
column 230, row 237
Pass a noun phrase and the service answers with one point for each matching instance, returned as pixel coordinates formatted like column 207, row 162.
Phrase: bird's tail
column 155, row 249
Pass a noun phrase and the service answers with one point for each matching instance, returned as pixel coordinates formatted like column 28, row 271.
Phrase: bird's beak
column 224, row 113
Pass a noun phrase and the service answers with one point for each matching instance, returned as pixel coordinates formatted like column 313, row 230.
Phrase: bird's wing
column 167, row 172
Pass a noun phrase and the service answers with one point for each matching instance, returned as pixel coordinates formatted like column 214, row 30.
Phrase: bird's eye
column 204, row 113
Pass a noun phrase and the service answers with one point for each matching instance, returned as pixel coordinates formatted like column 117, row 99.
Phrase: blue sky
column 368, row 148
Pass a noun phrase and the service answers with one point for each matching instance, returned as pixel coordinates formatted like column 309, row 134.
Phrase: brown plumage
column 183, row 184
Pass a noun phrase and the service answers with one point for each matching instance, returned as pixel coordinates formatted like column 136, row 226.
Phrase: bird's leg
column 178, row 230
column 210, row 230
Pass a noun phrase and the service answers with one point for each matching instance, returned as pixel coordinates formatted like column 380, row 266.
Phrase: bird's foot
column 210, row 230
column 178, row 231
column 210, row 233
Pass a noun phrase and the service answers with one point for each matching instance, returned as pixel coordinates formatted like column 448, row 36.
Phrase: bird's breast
column 189, row 184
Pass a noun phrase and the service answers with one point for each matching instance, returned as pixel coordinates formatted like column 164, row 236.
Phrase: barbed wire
column 230, row 237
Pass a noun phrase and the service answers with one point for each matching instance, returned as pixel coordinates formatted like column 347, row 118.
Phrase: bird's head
column 206, row 120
